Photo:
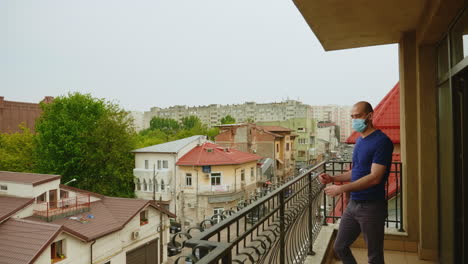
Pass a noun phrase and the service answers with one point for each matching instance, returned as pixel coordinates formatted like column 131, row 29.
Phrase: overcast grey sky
column 146, row 53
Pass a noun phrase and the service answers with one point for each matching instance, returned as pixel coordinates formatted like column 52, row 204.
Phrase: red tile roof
column 22, row 241
column 386, row 116
column 213, row 154
column 28, row 178
column 10, row 205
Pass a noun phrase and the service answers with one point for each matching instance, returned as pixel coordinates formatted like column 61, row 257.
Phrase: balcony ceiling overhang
column 340, row 24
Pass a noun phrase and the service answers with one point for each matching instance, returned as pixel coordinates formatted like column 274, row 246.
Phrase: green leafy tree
column 164, row 124
column 89, row 139
column 228, row 120
column 190, row 122
column 16, row 151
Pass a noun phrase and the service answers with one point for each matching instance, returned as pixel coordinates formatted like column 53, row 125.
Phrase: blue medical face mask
column 359, row 124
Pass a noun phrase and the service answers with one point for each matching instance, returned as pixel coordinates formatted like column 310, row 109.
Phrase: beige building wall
column 197, row 202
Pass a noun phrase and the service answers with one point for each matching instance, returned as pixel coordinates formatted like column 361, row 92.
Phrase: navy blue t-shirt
column 375, row 148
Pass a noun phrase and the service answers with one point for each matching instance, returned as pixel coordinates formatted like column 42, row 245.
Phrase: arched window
column 156, row 186
column 162, row 185
column 137, row 184
column 145, row 186
column 150, row 186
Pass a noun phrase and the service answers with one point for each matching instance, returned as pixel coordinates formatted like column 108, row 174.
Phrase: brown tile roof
column 22, row 241
column 276, row 128
column 28, row 178
column 110, row 214
column 10, row 205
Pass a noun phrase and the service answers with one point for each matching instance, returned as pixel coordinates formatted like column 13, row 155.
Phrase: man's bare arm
column 374, row 178
column 344, row 177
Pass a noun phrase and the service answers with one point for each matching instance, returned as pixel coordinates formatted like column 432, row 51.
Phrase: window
column 242, row 175
column 301, row 153
column 252, row 174
column 63, row 194
column 188, row 179
column 277, row 147
column 215, row 179
column 162, row 185
column 159, row 164
column 287, row 146
column 301, row 129
column 3, row 187
column 150, row 185
column 143, row 217
column 145, row 186
column 57, row 251
column 41, row 198
column 138, row 184
column 146, row 164
column 165, row 164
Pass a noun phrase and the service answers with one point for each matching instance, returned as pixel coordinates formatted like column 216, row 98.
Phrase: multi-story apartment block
column 305, row 129
column 43, row 221
column 327, row 140
column 138, row 120
column 274, row 142
column 340, row 115
column 211, row 115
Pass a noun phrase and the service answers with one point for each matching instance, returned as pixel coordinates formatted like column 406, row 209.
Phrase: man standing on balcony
column 367, row 210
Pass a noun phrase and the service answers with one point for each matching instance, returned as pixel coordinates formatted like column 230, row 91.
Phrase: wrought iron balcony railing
column 278, row 225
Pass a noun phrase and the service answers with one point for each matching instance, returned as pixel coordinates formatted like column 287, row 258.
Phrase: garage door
column 146, row 254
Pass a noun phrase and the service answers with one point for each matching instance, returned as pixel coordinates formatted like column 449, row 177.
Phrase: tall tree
column 190, row 122
column 228, row 120
column 89, row 139
column 16, row 151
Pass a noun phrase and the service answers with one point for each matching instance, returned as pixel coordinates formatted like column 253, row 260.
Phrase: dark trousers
column 367, row 217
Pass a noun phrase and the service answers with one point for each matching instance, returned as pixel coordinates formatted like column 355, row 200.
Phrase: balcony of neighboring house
column 64, row 207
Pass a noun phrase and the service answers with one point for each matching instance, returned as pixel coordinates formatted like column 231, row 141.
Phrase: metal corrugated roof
column 170, row 147
column 28, row 178
column 22, row 241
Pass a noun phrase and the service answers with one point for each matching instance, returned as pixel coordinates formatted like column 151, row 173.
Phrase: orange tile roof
column 386, row 117
column 213, row 154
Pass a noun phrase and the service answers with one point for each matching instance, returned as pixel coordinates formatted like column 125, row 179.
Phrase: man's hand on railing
column 325, row 178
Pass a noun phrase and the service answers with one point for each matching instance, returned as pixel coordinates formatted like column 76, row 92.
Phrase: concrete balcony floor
column 390, row 257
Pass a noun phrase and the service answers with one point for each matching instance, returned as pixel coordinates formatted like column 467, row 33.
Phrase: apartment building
column 304, row 142
column 43, row 221
column 274, row 142
column 12, row 114
column 211, row 115
column 155, row 170
column 340, row 115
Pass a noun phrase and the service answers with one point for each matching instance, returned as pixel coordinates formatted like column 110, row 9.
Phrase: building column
column 409, row 135
column 427, row 144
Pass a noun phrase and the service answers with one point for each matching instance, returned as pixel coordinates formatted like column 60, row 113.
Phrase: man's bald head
column 364, row 106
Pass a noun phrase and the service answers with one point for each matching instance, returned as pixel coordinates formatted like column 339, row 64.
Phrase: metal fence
column 334, row 207
column 279, row 224
column 276, row 226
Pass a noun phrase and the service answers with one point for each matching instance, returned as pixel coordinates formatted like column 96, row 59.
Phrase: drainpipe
column 91, row 259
